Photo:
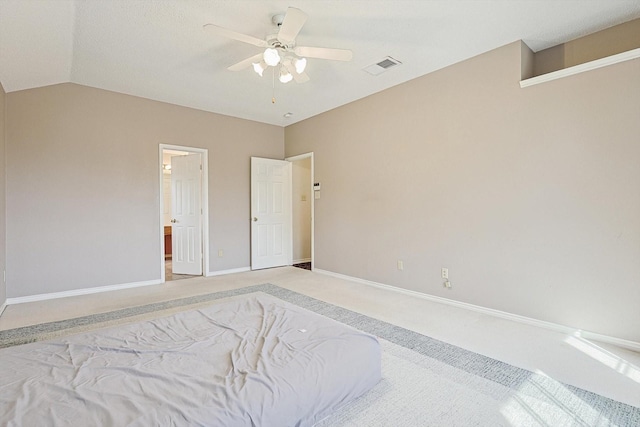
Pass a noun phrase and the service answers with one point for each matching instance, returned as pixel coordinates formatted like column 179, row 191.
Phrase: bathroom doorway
column 183, row 212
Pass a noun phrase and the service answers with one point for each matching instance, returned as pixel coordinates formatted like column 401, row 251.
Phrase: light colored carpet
column 426, row 382
column 419, row 391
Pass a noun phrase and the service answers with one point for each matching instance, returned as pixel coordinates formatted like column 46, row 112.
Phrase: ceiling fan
column 281, row 50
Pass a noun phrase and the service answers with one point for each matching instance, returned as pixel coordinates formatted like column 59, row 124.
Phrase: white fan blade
column 246, row 63
column 299, row 78
column 291, row 25
column 219, row 31
column 324, row 53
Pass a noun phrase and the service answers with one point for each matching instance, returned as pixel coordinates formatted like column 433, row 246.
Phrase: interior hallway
column 604, row 369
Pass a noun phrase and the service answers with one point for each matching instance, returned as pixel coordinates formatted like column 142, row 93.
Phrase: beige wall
column 531, row 197
column 3, row 210
column 301, row 172
column 83, row 193
column 611, row 41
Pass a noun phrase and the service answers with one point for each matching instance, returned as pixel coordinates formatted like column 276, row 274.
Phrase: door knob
column 174, row 221
column 255, row 219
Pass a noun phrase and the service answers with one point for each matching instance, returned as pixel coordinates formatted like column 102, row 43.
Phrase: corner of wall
column 526, row 61
column 602, row 44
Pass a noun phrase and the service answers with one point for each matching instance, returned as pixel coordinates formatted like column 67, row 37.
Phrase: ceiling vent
column 382, row 66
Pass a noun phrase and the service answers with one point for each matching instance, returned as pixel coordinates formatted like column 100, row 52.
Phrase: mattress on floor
column 247, row 361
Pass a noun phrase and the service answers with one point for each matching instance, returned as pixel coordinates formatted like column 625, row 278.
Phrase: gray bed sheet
column 249, row 361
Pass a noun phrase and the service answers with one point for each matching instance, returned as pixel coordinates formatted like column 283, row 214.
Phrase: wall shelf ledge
column 581, row 68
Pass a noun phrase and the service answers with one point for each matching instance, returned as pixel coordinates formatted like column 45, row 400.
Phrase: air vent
column 382, row 66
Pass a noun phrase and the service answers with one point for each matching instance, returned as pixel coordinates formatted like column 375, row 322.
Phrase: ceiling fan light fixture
column 285, row 76
column 300, row 64
column 281, row 49
column 259, row 67
column 271, row 57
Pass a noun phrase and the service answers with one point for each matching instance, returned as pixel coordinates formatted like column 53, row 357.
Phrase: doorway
column 183, row 212
column 303, row 202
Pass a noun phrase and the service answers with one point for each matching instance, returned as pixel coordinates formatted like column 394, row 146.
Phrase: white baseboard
column 76, row 292
column 2, row 307
column 86, row 291
column 300, row 261
column 231, row 271
column 632, row 345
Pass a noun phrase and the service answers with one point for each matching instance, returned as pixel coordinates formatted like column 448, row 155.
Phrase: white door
column 186, row 214
column 270, row 213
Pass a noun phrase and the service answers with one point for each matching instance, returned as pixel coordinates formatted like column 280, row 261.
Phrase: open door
column 270, row 213
column 186, row 214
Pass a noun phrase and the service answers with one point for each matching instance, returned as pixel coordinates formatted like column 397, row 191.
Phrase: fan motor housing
column 272, row 40
column 277, row 19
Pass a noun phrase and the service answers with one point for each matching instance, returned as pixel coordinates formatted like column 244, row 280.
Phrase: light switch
column 316, row 195
column 304, row 198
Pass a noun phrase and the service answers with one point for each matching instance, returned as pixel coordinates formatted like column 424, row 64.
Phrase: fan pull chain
column 273, row 85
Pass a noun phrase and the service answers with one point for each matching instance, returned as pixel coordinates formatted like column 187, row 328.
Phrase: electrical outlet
column 400, row 265
column 445, row 273
column 220, row 253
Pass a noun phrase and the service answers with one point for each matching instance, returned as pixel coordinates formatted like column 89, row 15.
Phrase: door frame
column 313, row 201
column 204, row 199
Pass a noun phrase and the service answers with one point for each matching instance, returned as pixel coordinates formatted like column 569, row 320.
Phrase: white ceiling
column 157, row 49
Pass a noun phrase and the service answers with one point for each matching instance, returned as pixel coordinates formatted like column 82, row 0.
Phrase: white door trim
column 205, row 204
column 313, row 201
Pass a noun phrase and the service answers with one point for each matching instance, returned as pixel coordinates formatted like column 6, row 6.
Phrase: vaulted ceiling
column 157, row 49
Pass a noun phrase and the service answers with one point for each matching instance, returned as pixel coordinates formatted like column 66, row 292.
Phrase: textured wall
column 83, row 193
column 531, row 197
